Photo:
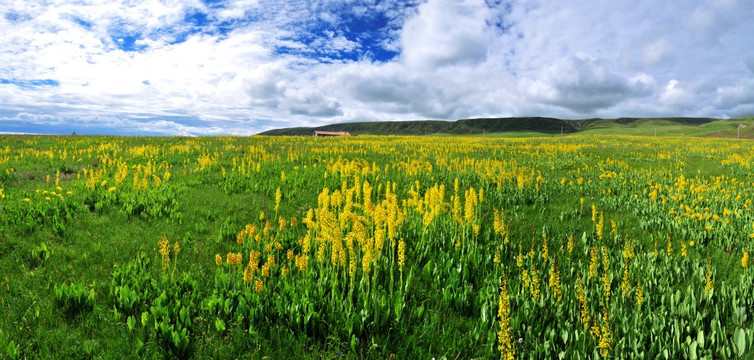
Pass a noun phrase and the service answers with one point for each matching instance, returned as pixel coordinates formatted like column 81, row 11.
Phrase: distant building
column 331, row 133
column 74, row 134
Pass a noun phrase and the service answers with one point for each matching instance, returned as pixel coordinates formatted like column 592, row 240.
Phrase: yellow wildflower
column 708, row 277
column 164, row 245
column 401, row 254
column 534, row 288
column 605, row 337
column 593, row 262
column 506, row 345
column 246, row 275
column 639, row 294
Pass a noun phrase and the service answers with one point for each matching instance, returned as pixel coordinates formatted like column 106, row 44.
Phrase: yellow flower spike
column 278, row 197
column 534, row 285
column 605, row 337
column 745, row 259
column 246, row 275
column 708, row 278
column 177, row 247
column 595, row 330
column 506, row 345
column 639, row 294
column 554, row 282
column 600, row 226
column 593, row 262
column 545, row 251
column 606, row 288
column 401, row 254
column 164, row 250
column 584, row 308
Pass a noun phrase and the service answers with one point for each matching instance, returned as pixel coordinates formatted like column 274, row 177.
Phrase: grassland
column 586, row 246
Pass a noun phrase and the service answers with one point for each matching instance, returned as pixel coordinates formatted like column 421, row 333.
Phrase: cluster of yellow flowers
column 164, row 250
column 250, row 231
column 233, row 258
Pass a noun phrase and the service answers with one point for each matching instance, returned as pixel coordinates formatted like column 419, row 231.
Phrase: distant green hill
column 678, row 126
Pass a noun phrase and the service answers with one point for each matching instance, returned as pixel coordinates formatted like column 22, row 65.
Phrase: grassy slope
column 431, row 127
column 540, row 126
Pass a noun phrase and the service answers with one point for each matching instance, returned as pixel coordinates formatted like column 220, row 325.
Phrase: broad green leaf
column 739, row 339
column 700, row 338
column 131, row 322
column 219, row 325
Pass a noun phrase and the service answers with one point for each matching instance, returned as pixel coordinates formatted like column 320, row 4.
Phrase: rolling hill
column 540, row 126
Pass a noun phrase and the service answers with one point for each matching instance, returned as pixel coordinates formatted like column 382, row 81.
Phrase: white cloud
column 584, row 85
column 446, row 32
column 675, row 95
column 732, row 96
column 456, row 59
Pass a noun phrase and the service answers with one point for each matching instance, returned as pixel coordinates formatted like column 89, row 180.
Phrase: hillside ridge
column 535, row 124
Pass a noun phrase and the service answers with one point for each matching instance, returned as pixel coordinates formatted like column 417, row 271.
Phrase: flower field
column 580, row 247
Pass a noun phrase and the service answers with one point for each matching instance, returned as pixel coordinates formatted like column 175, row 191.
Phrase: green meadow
column 608, row 242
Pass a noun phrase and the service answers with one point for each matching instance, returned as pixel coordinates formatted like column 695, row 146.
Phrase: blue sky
column 209, row 67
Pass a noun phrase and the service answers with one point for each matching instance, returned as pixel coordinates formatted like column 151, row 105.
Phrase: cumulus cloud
column 584, row 85
column 446, row 32
column 730, row 97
